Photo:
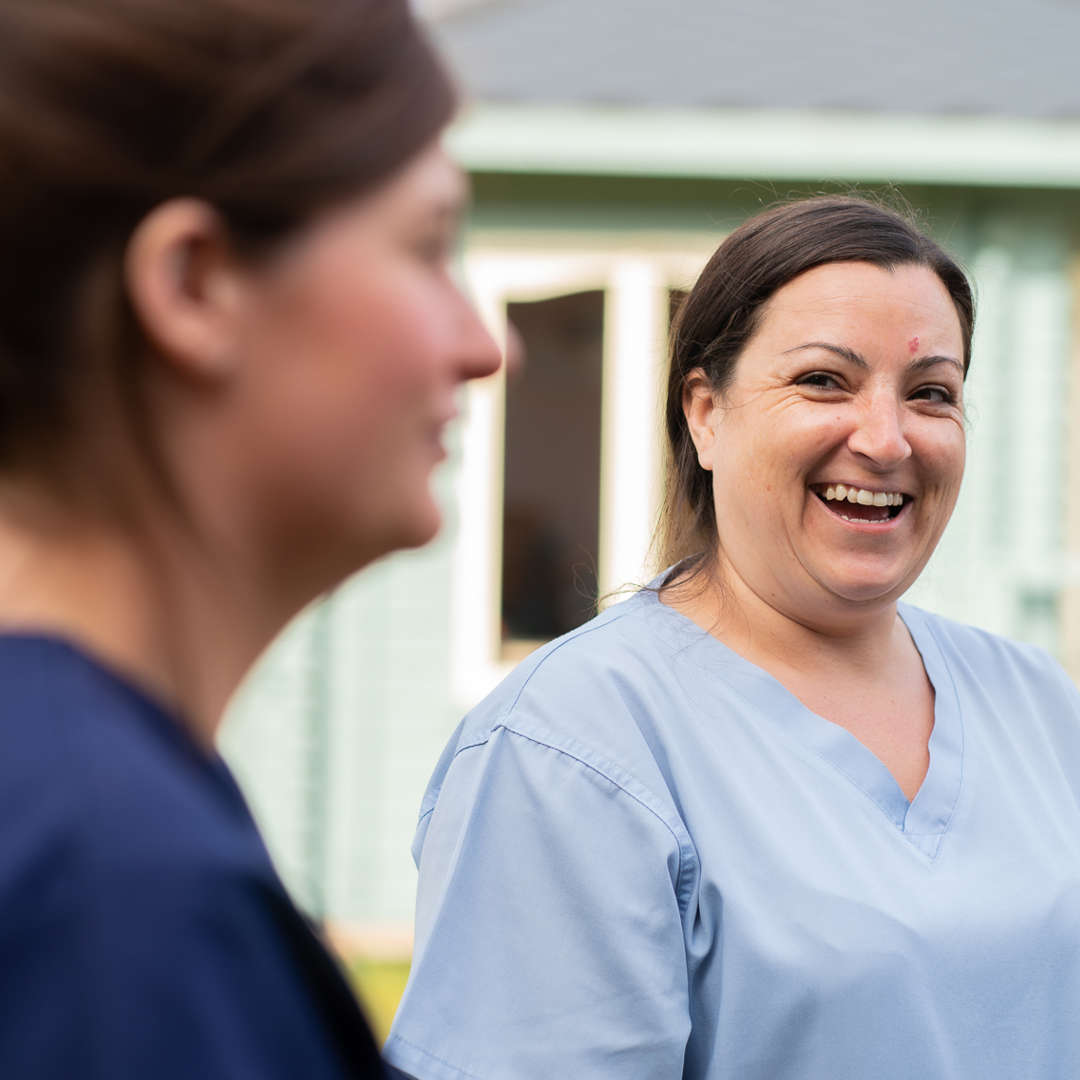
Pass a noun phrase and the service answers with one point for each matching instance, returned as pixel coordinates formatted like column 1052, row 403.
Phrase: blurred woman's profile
column 229, row 346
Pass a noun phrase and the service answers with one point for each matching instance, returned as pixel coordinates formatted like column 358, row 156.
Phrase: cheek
column 746, row 467
column 367, row 349
column 397, row 323
column 743, row 495
column 944, row 452
column 959, row 443
column 324, row 393
column 781, row 449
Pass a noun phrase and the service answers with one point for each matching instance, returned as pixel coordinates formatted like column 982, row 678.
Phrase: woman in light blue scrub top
column 761, row 821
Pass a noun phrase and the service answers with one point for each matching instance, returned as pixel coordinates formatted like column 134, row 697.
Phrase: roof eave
column 768, row 144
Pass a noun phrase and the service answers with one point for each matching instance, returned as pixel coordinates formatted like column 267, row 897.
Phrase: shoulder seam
column 684, row 847
column 502, row 714
column 581, row 632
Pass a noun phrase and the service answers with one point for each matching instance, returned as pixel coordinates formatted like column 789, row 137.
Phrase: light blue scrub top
column 641, row 857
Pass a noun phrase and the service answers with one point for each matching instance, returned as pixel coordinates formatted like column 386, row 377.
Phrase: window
column 558, row 485
column 551, row 473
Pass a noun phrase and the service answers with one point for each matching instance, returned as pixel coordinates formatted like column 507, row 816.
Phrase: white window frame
column 635, row 273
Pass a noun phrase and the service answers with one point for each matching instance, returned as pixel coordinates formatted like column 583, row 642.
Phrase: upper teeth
column 864, row 497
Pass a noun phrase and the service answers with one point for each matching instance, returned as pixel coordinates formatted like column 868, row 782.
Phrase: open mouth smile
column 861, row 506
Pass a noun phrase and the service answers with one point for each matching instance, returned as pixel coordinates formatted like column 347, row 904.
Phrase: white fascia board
column 768, row 144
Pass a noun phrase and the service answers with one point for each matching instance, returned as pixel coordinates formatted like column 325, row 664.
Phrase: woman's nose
column 879, row 434
column 478, row 352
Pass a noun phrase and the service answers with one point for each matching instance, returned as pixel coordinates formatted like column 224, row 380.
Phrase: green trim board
column 782, row 144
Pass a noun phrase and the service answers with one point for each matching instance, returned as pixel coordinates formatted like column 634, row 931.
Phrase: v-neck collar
column 924, row 820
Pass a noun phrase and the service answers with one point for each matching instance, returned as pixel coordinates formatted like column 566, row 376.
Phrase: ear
column 700, row 407
column 185, row 287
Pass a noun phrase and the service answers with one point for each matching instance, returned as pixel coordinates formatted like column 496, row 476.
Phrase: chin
column 415, row 529
column 869, row 582
column 869, row 592
column 401, row 515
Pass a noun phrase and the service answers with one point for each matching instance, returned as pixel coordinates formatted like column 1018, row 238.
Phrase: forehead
column 430, row 181
column 428, row 192
column 866, row 301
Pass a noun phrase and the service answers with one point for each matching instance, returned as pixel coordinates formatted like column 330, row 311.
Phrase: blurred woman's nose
column 479, row 354
column 878, row 434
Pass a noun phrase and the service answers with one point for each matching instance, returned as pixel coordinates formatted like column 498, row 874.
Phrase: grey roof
column 1015, row 58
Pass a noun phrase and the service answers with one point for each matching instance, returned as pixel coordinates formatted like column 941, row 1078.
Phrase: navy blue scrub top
column 143, row 930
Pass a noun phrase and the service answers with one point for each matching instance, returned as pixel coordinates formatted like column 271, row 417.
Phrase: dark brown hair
column 723, row 309
column 268, row 109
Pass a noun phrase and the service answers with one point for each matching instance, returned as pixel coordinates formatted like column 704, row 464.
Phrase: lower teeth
column 884, row 513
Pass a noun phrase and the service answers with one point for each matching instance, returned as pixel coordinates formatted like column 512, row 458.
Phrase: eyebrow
column 860, row 361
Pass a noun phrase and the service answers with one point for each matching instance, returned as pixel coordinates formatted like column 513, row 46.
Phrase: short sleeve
column 549, row 931
column 143, row 931
column 243, row 989
column 207, row 982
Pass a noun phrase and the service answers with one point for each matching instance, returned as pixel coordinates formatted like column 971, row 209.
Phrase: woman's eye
column 435, row 250
column 820, row 380
column 937, row 395
column 438, row 245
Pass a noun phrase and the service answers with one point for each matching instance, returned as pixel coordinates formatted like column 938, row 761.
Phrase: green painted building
column 612, row 144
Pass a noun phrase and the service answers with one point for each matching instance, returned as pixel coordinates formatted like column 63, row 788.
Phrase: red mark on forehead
column 913, row 344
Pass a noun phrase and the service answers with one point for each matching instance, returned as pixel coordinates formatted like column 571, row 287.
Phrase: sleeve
column 550, row 939
column 235, row 987
column 184, row 978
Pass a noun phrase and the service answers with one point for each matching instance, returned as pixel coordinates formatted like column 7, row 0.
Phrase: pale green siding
column 1000, row 562
column 336, row 732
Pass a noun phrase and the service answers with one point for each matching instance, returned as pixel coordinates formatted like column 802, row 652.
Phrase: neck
column 144, row 597
column 855, row 637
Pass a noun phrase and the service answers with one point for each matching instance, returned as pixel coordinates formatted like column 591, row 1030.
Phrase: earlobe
column 184, row 287
column 699, row 408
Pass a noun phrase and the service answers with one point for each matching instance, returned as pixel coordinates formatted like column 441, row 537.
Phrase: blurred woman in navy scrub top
column 229, row 349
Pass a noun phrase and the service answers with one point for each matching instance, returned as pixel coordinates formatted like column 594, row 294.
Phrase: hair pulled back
column 270, row 110
column 722, row 311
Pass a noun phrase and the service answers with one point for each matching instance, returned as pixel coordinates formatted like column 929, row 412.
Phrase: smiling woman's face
column 837, row 450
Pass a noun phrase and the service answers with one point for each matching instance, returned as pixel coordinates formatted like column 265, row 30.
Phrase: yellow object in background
column 379, row 984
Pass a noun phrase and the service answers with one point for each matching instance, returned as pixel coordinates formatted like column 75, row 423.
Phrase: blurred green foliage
column 379, row 985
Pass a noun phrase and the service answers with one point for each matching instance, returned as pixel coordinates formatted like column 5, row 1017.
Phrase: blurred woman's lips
column 438, row 431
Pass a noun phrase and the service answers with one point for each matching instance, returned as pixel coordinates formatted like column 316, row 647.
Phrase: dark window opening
column 551, row 485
